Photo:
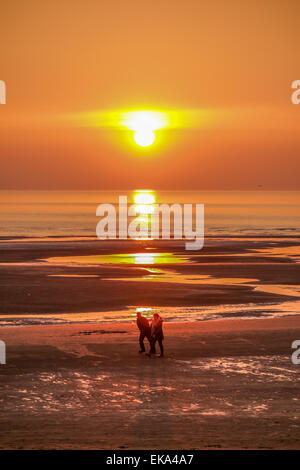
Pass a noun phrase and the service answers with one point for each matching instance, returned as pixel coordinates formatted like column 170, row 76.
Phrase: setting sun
column 144, row 138
column 144, row 123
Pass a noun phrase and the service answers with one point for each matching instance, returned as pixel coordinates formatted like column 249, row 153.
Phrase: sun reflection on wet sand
column 264, row 368
column 159, row 275
column 126, row 258
column 292, row 252
column 281, row 289
column 136, row 394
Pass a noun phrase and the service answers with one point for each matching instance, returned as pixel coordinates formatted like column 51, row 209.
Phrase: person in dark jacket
column 145, row 332
column 157, row 333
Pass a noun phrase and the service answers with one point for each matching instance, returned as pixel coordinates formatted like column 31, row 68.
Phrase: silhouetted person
column 145, row 332
column 157, row 333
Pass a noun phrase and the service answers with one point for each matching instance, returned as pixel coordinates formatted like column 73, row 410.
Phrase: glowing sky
column 230, row 62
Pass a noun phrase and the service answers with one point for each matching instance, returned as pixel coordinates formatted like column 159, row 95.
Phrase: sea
column 73, row 213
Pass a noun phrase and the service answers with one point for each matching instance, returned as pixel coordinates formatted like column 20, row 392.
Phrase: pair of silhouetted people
column 153, row 332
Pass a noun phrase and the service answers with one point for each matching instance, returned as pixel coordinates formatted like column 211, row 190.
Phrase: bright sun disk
column 144, row 123
column 144, row 137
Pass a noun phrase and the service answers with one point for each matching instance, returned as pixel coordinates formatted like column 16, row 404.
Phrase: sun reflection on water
column 144, row 204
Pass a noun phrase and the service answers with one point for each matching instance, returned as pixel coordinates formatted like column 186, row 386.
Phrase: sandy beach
column 223, row 384
column 74, row 378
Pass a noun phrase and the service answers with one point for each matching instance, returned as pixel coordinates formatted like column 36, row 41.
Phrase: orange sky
column 235, row 58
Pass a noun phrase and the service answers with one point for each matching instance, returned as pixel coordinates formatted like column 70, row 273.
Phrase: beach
column 74, row 379
column 223, row 384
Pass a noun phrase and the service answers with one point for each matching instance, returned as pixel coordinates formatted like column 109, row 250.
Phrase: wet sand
column 31, row 282
column 223, row 384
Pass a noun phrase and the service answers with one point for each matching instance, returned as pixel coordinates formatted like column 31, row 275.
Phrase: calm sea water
column 73, row 213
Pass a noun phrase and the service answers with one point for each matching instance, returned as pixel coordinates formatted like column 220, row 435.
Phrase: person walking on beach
column 157, row 333
column 145, row 332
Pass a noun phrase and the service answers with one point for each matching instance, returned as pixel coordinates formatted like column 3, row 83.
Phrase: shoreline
column 86, row 318
column 63, row 237
column 231, row 324
column 223, row 324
